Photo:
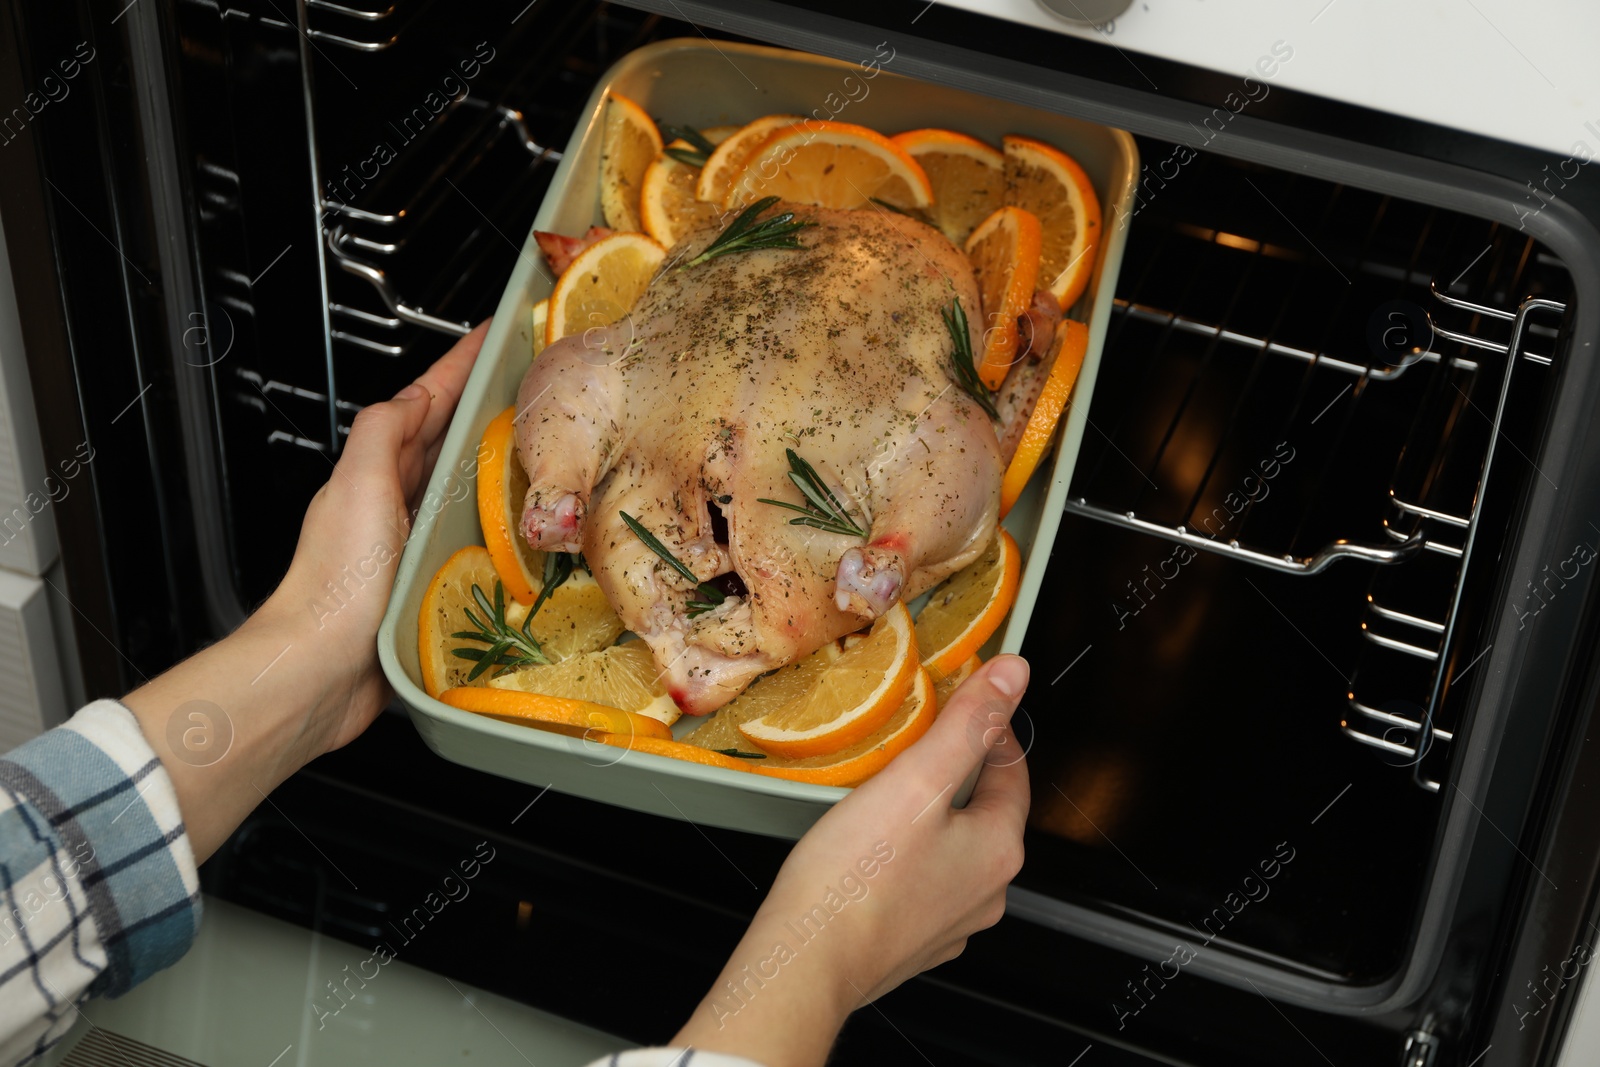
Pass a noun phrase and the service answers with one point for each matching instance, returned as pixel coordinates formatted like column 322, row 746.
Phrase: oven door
column 1197, row 786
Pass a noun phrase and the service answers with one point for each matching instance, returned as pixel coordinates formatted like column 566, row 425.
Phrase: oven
column 1314, row 655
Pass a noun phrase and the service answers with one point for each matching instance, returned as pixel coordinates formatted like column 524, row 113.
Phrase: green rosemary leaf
column 509, row 646
column 686, row 155
column 745, row 234
column 653, row 544
column 824, row 512
column 891, row 207
column 961, row 360
column 557, row 569
column 740, row 755
column 690, row 134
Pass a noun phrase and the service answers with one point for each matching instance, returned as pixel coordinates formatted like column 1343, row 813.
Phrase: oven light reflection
column 1087, row 801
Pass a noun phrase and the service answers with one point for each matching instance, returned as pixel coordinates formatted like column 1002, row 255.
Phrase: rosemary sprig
column 557, row 569
column 509, row 646
column 745, row 234
column 709, row 595
column 740, row 755
column 888, row 206
column 965, row 369
column 823, row 510
column 695, row 157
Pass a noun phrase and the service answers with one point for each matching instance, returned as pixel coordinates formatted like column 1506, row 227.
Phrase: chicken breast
column 681, row 417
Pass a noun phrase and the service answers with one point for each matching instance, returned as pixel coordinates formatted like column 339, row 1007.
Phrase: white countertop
column 255, row 991
column 1523, row 72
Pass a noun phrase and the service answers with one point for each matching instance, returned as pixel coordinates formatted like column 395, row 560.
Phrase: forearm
column 232, row 722
column 779, row 1000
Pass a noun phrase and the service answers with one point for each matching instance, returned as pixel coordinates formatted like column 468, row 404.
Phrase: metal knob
column 1086, row 12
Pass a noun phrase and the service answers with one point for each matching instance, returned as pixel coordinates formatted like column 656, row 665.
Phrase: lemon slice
column 855, row 696
column 969, row 606
column 625, row 677
column 629, row 144
column 602, row 284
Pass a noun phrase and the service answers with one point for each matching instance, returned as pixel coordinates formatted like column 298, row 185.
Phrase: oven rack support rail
column 1407, row 738
column 1398, row 547
column 344, row 244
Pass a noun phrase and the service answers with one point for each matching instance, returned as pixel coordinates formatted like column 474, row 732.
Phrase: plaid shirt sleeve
column 672, row 1057
column 98, row 886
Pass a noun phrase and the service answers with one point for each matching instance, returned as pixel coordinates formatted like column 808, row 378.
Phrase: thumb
column 971, row 724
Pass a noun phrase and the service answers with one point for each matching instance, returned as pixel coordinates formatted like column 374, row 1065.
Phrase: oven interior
column 1270, row 382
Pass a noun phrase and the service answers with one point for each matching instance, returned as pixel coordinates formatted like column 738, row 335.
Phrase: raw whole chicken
column 681, row 416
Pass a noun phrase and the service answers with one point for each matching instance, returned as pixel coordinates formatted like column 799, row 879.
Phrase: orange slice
column 968, row 607
column 732, row 153
column 968, row 178
column 945, row 688
column 855, row 764
column 502, row 486
column 575, row 619
column 444, row 604
column 575, row 718
column 1049, row 183
column 667, row 202
column 602, row 284
column 1004, row 251
column 831, row 164
column 720, row 730
column 656, row 746
column 853, row 697
column 541, row 319
column 1073, row 342
column 628, row 145
column 622, row 676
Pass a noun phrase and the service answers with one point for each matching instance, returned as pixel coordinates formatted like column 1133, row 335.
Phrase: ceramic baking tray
column 705, row 83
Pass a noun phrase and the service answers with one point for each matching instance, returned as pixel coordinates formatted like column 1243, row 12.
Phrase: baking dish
column 705, row 83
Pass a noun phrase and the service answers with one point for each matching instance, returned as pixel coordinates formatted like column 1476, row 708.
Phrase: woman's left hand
column 300, row 677
column 337, row 588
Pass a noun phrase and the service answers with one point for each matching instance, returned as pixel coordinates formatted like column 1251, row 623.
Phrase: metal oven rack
column 1450, row 381
column 1408, row 734
column 362, row 236
column 421, row 249
column 371, row 26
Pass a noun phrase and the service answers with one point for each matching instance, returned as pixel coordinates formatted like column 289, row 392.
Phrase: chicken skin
column 682, row 415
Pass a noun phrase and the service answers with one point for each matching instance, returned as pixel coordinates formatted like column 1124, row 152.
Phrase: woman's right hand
column 890, row 882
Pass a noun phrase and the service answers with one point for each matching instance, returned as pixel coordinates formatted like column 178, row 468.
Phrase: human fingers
column 1001, row 793
column 445, row 380
column 971, row 723
column 379, row 434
